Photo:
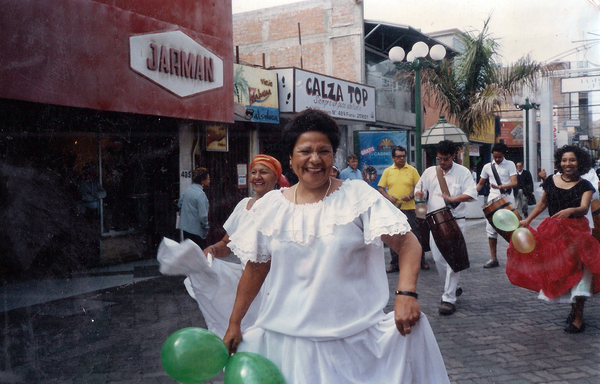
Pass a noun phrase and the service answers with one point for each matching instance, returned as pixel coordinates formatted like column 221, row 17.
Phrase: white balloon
column 437, row 52
column 396, row 54
column 420, row 49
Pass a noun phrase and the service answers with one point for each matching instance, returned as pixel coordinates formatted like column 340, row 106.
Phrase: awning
column 443, row 130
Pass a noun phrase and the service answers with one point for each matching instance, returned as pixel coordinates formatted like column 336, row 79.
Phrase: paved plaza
column 109, row 326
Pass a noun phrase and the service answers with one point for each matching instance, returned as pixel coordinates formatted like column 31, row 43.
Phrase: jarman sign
column 176, row 62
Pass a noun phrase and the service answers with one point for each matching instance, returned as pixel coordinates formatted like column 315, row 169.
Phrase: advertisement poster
column 376, row 153
column 216, row 138
column 255, row 95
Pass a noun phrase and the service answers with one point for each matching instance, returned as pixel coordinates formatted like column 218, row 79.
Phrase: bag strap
column 496, row 175
column 441, row 180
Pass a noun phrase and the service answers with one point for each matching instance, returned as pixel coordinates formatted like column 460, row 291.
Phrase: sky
column 543, row 29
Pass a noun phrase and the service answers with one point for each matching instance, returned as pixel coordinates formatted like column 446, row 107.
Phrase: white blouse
column 327, row 278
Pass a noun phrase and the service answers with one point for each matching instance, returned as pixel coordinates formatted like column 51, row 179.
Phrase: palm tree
column 471, row 87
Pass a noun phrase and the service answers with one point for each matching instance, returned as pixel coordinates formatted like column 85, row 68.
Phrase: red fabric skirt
column 562, row 246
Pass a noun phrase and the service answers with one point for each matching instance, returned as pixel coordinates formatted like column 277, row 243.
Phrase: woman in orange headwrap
column 213, row 282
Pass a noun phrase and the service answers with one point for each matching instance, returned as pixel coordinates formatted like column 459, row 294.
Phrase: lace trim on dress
column 258, row 254
column 352, row 200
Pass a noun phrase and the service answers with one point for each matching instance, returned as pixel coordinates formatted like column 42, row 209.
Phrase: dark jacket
column 525, row 182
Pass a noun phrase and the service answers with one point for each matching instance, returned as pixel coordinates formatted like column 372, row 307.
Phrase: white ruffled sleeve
column 247, row 242
column 382, row 218
column 238, row 216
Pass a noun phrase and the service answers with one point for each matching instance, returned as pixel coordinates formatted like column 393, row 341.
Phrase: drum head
column 490, row 202
column 432, row 213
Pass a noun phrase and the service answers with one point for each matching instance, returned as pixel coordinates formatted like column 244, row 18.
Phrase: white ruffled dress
column 213, row 283
column 321, row 318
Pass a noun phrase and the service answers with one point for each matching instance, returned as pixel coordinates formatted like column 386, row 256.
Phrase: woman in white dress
column 315, row 252
column 213, row 283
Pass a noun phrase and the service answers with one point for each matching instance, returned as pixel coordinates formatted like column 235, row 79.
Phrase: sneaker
column 492, row 263
column 446, row 308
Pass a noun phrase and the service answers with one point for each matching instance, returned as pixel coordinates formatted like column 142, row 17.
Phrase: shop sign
column 176, row 62
column 580, row 84
column 474, row 150
column 300, row 90
column 484, row 132
column 255, row 94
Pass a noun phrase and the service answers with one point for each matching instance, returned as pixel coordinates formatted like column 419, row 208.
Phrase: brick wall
column 344, row 62
column 247, row 32
column 285, row 25
column 342, row 15
column 330, row 32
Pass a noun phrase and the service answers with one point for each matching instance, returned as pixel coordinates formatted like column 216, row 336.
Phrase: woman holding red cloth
column 565, row 264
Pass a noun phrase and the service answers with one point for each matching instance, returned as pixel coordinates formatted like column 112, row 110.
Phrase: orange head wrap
column 269, row 161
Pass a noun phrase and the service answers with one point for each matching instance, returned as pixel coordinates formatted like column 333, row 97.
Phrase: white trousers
column 447, row 275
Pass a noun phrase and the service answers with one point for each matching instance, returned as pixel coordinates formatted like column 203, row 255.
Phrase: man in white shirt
column 461, row 188
column 507, row 175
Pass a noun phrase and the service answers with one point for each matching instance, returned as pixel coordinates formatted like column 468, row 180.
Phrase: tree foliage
column 472, row 86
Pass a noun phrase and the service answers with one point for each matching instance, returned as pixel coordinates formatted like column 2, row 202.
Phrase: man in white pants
column 507, row 172
column 461, row 188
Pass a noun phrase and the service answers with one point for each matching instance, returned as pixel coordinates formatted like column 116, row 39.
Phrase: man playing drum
column 461, row 188
column 506, row 171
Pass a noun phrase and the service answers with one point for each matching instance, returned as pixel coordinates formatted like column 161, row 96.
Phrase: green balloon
column 505, row 220
column 251, row 368
column 193, row 355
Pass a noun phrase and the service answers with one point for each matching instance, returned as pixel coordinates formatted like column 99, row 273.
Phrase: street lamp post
column 526, row 107
column 415, row 60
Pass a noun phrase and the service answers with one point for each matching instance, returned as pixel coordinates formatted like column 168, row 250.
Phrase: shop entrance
column 82, row 188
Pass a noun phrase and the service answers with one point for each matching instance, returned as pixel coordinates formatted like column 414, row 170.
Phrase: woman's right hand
column 232, row 338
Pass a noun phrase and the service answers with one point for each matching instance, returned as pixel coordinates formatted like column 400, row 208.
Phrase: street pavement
column 499, row 333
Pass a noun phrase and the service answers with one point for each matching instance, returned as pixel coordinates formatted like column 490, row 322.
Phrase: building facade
column 105, row 110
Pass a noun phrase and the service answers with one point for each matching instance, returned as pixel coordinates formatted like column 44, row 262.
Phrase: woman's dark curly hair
column 310, row 120
column 584, row 161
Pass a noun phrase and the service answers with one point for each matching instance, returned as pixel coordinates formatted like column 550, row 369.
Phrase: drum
column 595, row 208
column 449, row 238
column 422, row 233
column 500, row 202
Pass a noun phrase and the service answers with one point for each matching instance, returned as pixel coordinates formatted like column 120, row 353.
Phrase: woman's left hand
column 406, row 313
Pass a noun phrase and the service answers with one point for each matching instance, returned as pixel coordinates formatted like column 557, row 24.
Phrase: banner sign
column 376, row 153
column 255, row 95
column 580, row 84
column 300, row 90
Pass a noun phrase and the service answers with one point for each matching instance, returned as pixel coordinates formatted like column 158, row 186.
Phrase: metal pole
column 525, row 141
column 418, row 116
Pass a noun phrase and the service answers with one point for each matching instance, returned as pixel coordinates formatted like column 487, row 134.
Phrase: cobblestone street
column 499, row 333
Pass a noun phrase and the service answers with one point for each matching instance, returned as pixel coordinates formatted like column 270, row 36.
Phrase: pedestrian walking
column 502, row 175
column 193, row 205
column 397, row 184
column 524, row 190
